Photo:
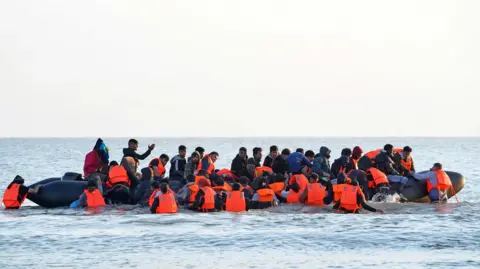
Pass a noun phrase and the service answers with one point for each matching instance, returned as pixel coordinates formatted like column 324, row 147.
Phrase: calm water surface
column 407, row 236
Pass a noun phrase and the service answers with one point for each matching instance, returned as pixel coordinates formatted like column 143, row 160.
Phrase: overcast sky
column 239, row 68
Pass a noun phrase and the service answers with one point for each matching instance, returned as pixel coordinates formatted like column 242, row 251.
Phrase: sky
column 239, row 68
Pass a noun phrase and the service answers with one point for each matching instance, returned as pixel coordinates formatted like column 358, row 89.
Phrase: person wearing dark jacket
column 256, row 158
column 178, row 163
column 271, row 156
column 280, row 165
column 362, row 179
column 360, row 202
column 404, row 162
column 200, row 151
column 321, row 163
column 239, row 164
column 340, row 164
column 130, row 160
column 192, row 164
column 145, row 189
column 384, row 162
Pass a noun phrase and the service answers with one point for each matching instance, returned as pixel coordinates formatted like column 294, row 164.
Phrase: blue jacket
column 296, row 161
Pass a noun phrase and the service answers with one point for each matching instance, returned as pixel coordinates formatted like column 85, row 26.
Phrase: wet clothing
column 296, row 161
column 280, row 165
column 177, row 167
column 268, row 161
column 360, row 202
column 340, row 165
column 321, row 163
column 401, row 166
column 433, row 193
column 198, row 205
column 327, row 199
column 190, row 169
column 144, row 189
column 164, row 204
column 82, row 202
column 362, row 179
column 239, row 166
column 15, row 194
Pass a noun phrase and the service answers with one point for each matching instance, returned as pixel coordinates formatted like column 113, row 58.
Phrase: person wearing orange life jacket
column 119, row 186
column 384, row 162
column 264, row 196
column 377, row 180
column 156, row 186
column 235, row 201
column 245, row 187
column 317, row 193
column 262, row 171
column 278, row 184
column 206, row 199
column 353, row 200
column 207, row 164
column 16, row 192
column 338, row 185
column 159, row 165
column 93, row 195
column 292, row 194
column 300, row 179
column 340, row 164
column 189, row 191
column 404, row 162
column 353, row 163
column 438, row 183
column 165, row 202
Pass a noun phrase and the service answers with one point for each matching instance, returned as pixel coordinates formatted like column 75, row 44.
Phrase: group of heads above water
column 300, row 177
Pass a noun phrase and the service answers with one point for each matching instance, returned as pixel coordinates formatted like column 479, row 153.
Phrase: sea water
column 407, row 236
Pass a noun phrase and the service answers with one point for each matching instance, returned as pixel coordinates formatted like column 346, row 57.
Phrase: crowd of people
column 283, row 177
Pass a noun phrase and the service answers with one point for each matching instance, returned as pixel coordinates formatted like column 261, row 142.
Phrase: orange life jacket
column 193, row 190
column 160, row 167
column 293, row 197
column 166, row 204
column 226, row 172
column 209, row 199
column 301, row 179
column 197, row 178
column 407, row 163
column 277, row 187
column 10, row 197
column 154, row 193
column 371, row 154
column 117, row 174
column 316, row 193
column 348, row 200
column 378, row 177
column 225, row 187
column 236, row 202
column 337, row 191
column 443, row 182
column 210, row 167
column 265, row 195
column 259, row 170
column 95, row 198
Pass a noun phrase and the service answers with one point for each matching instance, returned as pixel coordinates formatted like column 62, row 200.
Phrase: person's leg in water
column 402, row 181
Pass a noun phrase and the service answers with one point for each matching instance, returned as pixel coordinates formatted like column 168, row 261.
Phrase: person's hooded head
column 357, row 152
column 325, row 152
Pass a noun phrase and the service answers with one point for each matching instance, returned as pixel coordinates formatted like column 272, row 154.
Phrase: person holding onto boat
column 318, row 192
column 165, row 202
column 384, row 162
column 438, row 183
column 353, row 200
column 93, row 195
column 16, row 192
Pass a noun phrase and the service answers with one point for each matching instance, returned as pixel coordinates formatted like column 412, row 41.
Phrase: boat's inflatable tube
column 58, row 192
column 416, row 190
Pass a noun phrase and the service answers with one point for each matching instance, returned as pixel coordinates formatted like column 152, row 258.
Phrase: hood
column 19, row 180
column 97, row 144
column 357, row 152
column 324, row 151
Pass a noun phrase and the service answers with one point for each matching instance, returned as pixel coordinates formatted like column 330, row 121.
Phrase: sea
column 407, row 236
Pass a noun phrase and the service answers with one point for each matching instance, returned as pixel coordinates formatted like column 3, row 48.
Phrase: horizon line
column 261, row 136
